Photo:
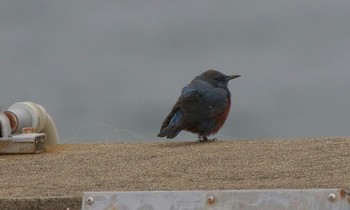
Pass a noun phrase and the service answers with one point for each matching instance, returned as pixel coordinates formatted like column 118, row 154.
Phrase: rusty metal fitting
column 210, row 199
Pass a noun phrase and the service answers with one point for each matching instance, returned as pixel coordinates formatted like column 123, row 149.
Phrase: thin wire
column 114, row 130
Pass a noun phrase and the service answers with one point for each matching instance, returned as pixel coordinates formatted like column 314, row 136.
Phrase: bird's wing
column 200, row 101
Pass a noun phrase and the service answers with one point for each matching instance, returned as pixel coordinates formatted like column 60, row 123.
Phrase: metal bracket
column 23, row 143
column 14, row 143
column 302, row 199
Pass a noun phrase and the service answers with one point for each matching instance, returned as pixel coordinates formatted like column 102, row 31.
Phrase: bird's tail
column 168, row 132
column 170, row 127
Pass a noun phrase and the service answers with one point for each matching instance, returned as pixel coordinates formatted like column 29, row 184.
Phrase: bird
column 202, row 107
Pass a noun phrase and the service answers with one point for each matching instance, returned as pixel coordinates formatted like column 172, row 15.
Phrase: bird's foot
column 205, row 139
column 214, row 139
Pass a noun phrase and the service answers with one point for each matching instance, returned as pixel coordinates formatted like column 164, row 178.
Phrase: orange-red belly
column 221, row 118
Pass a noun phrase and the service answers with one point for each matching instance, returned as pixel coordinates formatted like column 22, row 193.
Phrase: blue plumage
column 202, row 107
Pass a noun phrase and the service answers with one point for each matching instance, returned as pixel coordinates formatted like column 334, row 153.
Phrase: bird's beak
column 232, row 77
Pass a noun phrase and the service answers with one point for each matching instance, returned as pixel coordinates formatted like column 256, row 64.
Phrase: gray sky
column 112, row 70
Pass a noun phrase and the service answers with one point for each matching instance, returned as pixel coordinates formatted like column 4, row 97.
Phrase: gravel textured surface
column 69, row 170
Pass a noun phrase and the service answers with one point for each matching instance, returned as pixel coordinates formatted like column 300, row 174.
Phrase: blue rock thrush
column 202, row 107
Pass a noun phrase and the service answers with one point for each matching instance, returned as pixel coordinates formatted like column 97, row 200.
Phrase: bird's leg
column 204, row 138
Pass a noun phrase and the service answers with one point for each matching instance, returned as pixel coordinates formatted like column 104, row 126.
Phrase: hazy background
column 112, row 70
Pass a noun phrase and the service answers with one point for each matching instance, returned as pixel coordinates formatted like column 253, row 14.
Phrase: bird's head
column 217, row 78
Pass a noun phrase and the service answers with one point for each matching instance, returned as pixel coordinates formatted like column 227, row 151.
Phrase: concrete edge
column 42, row 203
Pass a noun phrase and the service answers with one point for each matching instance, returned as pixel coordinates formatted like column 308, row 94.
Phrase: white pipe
column 5, row 128
column 26, row 112
column 51, row 131
column 17, row 125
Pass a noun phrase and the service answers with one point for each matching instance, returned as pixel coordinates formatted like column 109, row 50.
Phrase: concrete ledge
column 64, row 172
column 43, row 203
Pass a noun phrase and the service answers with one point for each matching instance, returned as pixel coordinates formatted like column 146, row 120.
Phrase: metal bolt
column 90, row 200
column 331, row 197
column 210, row 199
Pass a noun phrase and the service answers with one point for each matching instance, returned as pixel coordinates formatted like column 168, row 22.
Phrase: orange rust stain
column 28, row 130
column 342, row 193
column 13, row 120
column 5, row 144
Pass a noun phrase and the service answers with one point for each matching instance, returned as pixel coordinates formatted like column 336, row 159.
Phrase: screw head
column 210, row 199
column 90, row 200
column 331, row 197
